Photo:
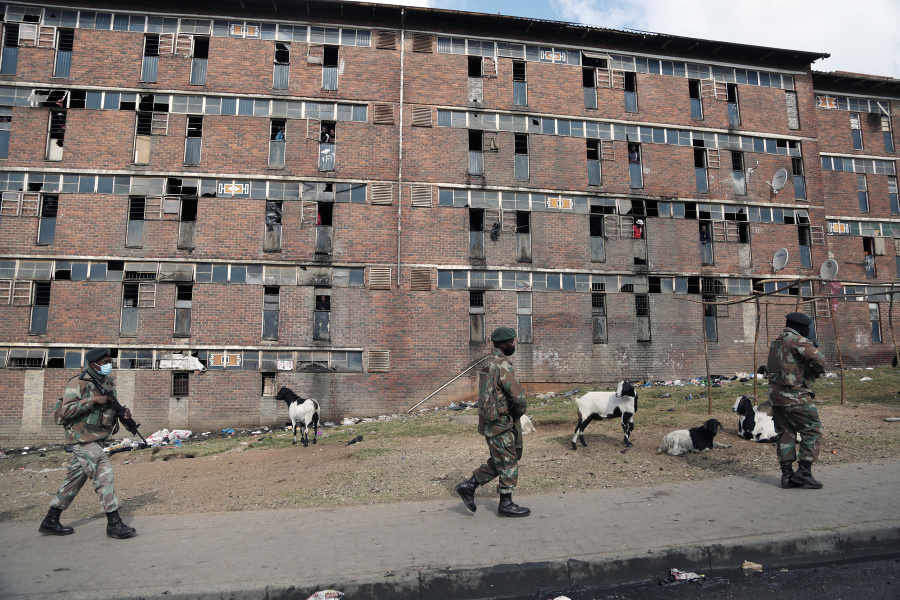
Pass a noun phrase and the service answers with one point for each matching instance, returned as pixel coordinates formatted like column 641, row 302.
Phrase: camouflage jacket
column 794, row 363
column 501, row 399
column 87, row 422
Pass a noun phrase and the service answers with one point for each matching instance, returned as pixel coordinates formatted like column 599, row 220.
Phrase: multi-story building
column 346, row 199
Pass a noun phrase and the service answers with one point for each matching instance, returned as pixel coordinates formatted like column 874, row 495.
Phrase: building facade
column 346, row 199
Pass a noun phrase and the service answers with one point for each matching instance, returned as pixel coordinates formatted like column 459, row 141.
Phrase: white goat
column 303, row 412
column 606, row 405
column 755, row 422
column 695, row 439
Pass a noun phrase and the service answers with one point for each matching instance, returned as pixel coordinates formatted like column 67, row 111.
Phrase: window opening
column 635, row 170
column 875, row 320
column 327, row 141
column 598, row 318
column 887, row 133
column 799, row 179
column 734, row 114
column 40, row 308
column 696, row 99
column 862, row 192
column 268, row 384
column 180, row 384
column 330, row 68
column 476, row 152
column 282, row 66
column 521, row 157
column 150, row 61
column 710, row 313
column 631, row 104
column 476, row 66
column 476, row 233
column 272, row 234
column 56, row 135
column 737, row 172
column 589, row 83
column 193, row 141
column 322, row 327
column 47, row 226
column 10, row 56
column 199, row 60
column 65, row 39
column 700, row 165
column 134, row 236
column 892, row 194
column 706, row 243
column 856, row 131
column 184, row 295
column 593, row 162
column 520, row 86
column 270, row 313
column 277, row 143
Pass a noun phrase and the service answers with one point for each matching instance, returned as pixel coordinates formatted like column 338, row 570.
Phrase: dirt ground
column 383, row 469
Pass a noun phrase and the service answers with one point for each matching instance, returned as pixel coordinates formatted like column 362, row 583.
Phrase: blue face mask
column 106, row 369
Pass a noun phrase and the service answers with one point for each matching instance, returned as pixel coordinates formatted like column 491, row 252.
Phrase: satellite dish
column 779, row 180
column 780, row 259
column 829, row 269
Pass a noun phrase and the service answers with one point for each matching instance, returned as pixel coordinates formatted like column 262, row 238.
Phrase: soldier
column 501, row 403
column 794, row 363
column 88, row 420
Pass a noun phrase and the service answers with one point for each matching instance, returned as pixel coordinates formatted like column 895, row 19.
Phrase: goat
column 606, row 405
column 303, row 412
column 754, row 422
column 695, row 439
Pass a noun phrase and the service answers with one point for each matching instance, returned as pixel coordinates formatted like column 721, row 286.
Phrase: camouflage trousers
column 791, row 420
column 503, row 463
column 88, row 462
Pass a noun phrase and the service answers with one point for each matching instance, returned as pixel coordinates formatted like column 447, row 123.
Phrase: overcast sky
column 861, row 36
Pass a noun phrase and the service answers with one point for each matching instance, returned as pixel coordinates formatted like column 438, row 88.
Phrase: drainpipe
column 400, row 151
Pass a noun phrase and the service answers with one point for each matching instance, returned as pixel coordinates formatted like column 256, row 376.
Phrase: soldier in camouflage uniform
column 88, row 421
column 501, row 403
column 794, row 363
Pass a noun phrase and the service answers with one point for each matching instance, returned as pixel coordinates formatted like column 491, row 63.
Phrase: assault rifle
column 130, row 424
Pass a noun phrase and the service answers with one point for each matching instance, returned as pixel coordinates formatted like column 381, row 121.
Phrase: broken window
column 696, row 99
column 700, row 169
column 40, row 308
column 598, row 242
column 476, row 152
column 862, row 192
column 875, row 321
column 521, row 157
column 270, row 313
column 282, row 66
column 476, row 317
column 593, row 162
column 856, row 131
column 642, row 316
column 598, row 318
column 635, row 170
column 277, row 143
column 184, row 295
column 887, row 133
column 56, row 133
column 327, row 141
column 199, row 60
column 65, row 39
column 804, row 239
column 134, row 236
column 272, row 233
column 737, row 173
column 150, row 61
column 734, row 113
column 47, row 225
column 129, row 321
column 589, row 83
column 710, row 312
column 322, row 323
column 520, row 86
column 523, row 236
column 476, row 233
column 187, row 223
column 330, row 63
column 631, row 103
column 707, row 256
column 799, row 178
column 193, row 140
column 10, row 56
column 524, row 317
column 268, row 384
column 180, row 384
column 324, row 227
column 869, row 251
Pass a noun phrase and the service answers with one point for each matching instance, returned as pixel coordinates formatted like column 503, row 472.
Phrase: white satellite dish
column 779, row 180
column 780, row 259
column 829, row 269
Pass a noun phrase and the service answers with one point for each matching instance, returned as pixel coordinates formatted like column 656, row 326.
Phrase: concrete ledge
column 870, row 540
column 505, row 580
column 640, row 566
column 789, row 548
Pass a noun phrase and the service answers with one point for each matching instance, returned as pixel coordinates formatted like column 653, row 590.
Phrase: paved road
column 439, row 550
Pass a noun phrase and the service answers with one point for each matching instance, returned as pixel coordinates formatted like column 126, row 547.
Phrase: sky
column 862, row 37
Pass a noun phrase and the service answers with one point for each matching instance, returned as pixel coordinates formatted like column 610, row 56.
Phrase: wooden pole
column 840, row 357
column 755, row 344
column 706, row 355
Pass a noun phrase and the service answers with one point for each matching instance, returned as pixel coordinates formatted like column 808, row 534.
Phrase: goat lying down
column 606, row 405
column 303, row 412
column 754, row 422
column 695, row 439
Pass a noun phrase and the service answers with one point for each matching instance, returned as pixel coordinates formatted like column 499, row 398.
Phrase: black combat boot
column 51, row 525
column 508, row 508
column 466, row 491
column 787, row 472
column 115, row 528
column 804, row 477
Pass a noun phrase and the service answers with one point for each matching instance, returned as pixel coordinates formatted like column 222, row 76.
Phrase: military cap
column 97, row 354
column 799, row 318
column 501, row 334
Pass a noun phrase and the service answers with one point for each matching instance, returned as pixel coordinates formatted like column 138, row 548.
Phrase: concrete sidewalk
column 439, row 550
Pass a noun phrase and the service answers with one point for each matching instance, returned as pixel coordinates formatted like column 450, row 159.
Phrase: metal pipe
column 400, row 144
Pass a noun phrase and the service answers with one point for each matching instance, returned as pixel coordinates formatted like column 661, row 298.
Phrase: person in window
column 88, row 420
column 324, row 137
column 704, row 235
column 279, row 137
column 638, row 229
column 634, row 156
column 331, row 135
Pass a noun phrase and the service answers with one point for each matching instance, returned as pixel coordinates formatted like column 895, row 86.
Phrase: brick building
column 346, row 199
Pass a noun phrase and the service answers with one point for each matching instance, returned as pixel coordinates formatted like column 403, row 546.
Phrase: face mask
column 106, row 369
column 508, row 350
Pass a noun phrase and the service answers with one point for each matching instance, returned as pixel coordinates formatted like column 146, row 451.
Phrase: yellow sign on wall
column 224, row 360
column 559, row 203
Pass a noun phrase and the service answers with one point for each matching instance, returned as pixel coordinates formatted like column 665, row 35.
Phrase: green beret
column 501, row 334
column 97, row 354
column 799, row 318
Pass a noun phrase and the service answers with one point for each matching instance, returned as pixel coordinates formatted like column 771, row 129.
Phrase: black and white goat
column 303, row 412
column 754, row 422
column 607, row 405
column 695, row 439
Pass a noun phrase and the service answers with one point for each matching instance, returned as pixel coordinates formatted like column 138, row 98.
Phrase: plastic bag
column 326, row 595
